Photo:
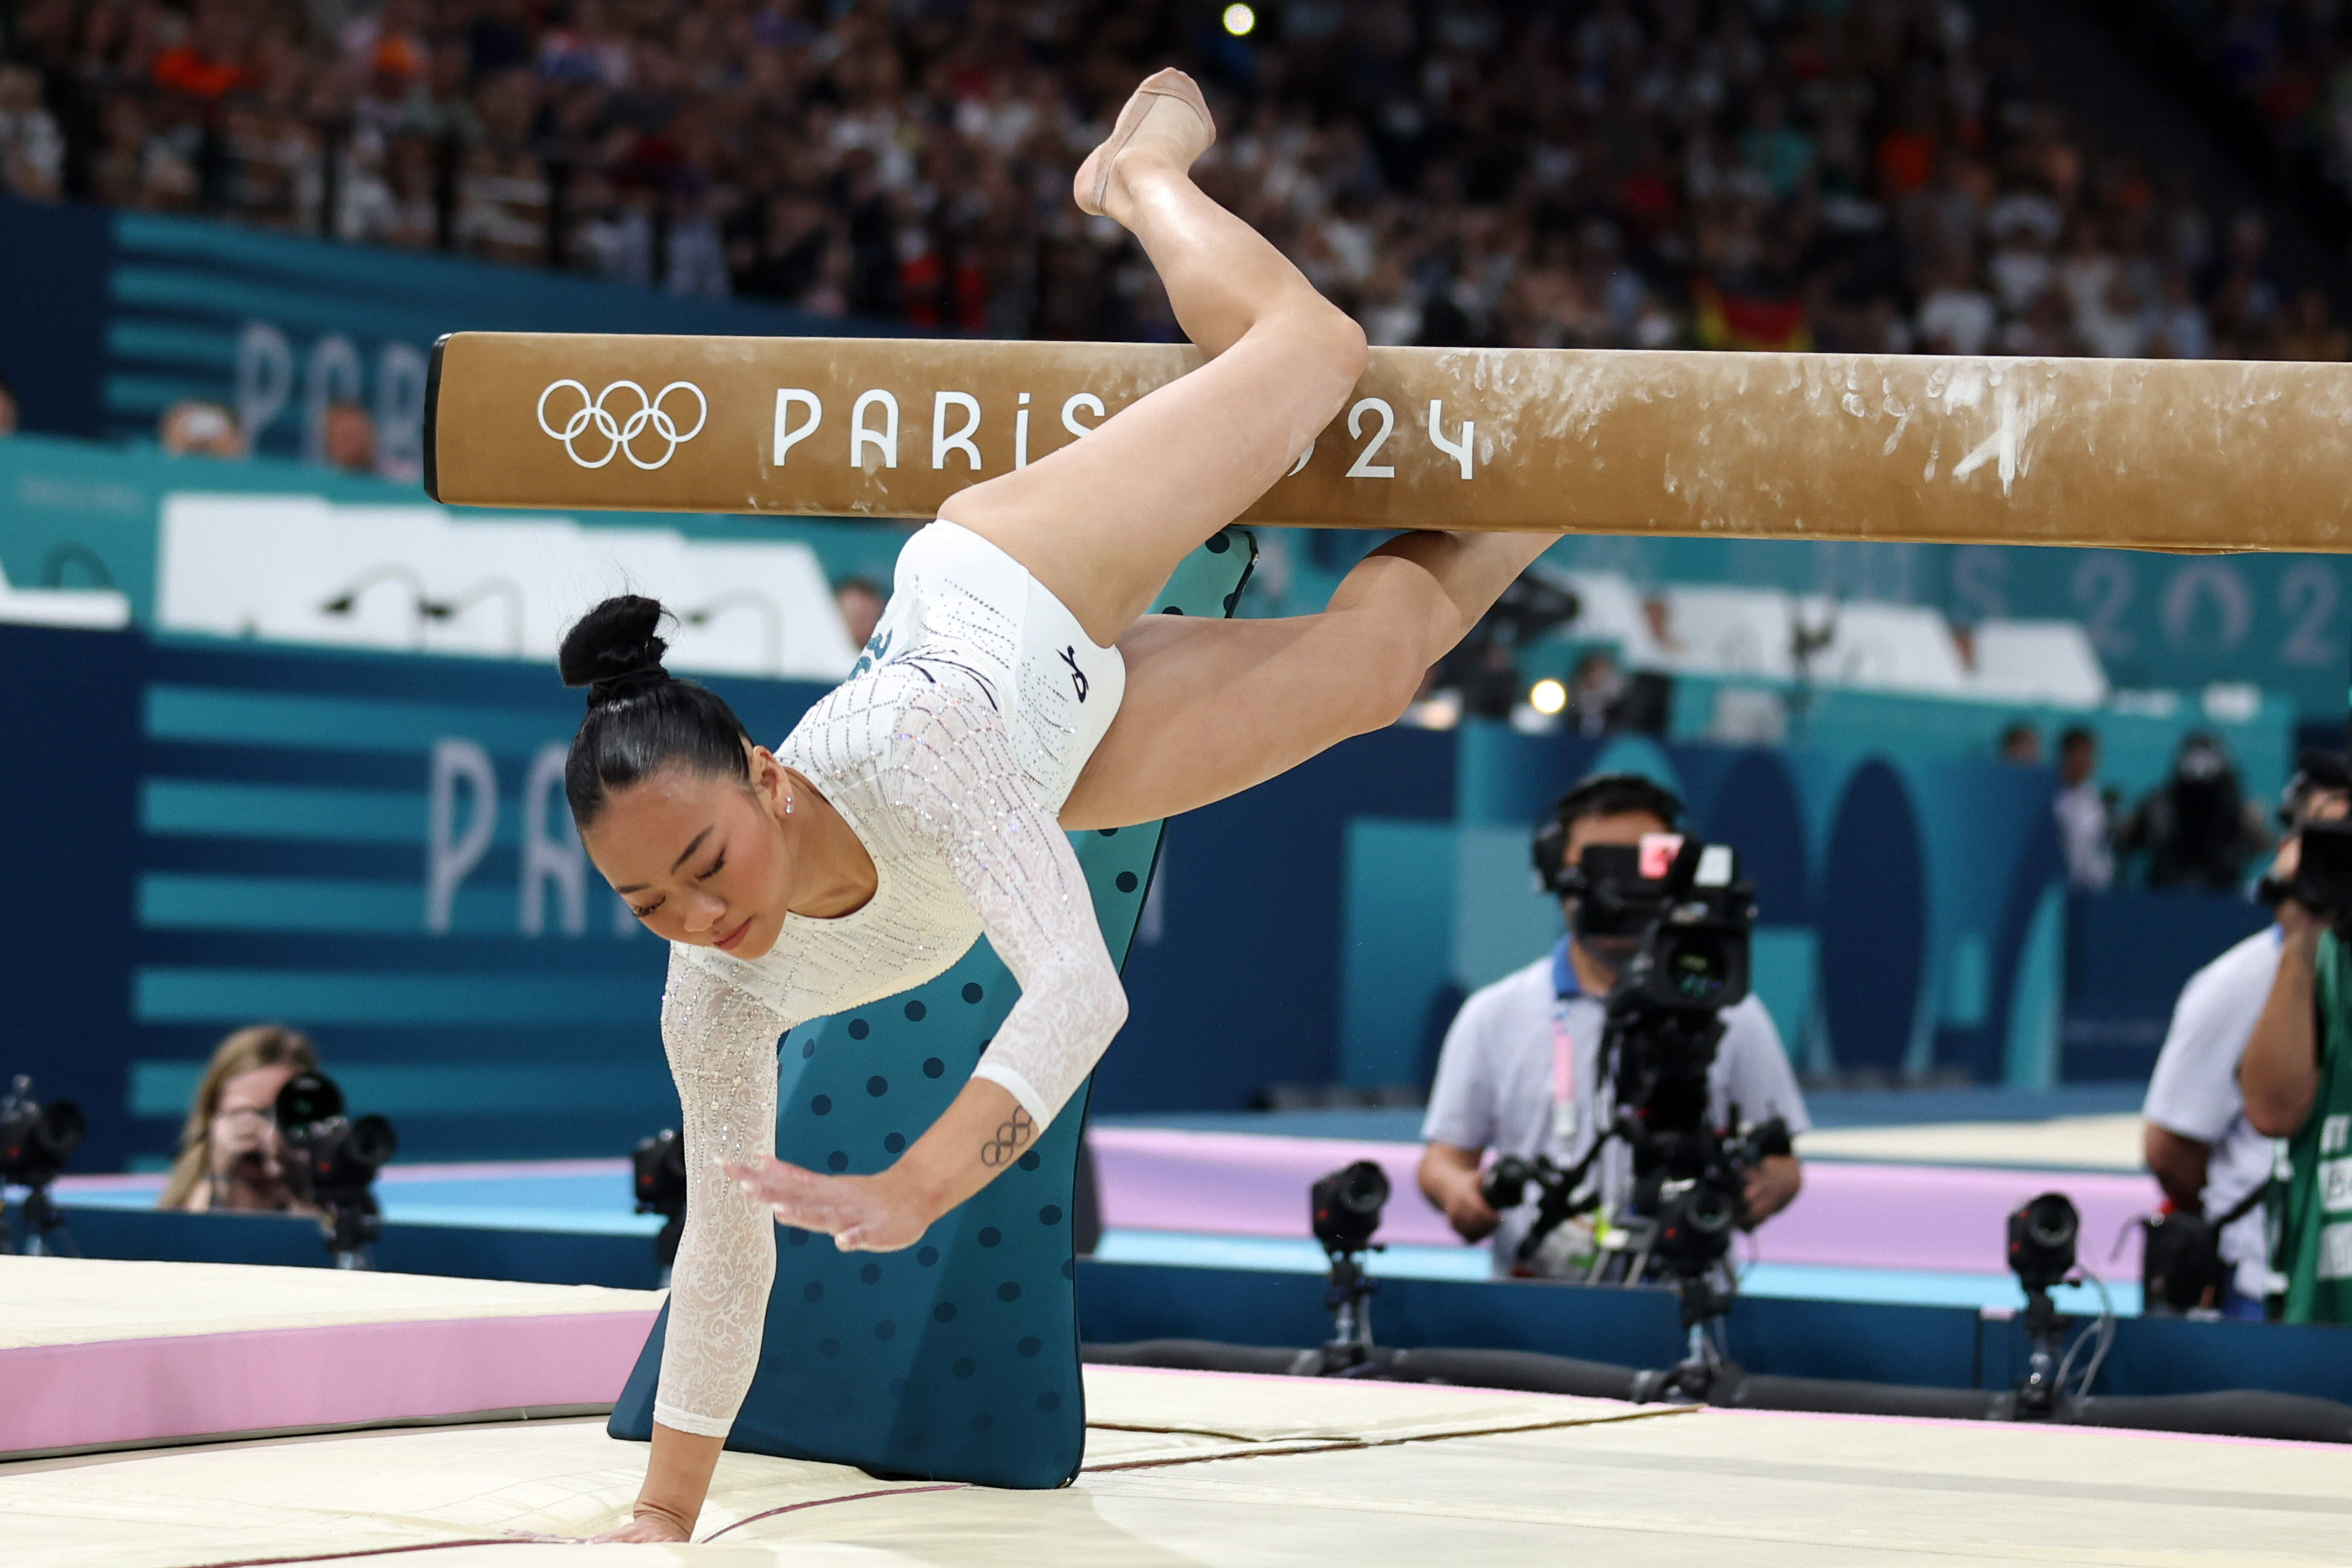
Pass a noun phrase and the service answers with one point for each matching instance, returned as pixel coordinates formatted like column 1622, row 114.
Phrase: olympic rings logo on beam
column 593, row 418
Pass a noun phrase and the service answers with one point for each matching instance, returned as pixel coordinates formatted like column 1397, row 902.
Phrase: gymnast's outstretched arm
column 957, row 784
column 721, row 1045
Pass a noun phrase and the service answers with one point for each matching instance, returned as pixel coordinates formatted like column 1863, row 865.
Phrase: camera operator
column 1520, row 1070
column 231, row 1156
column 2208, row 1157
column 2296, row 1071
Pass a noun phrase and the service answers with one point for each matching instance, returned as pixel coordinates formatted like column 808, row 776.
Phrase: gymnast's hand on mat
column 862, row 1214
column 645, row 1526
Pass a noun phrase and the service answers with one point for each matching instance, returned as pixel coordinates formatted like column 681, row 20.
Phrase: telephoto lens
column 2041, row 1240
column 1346, row 1206
column 329, row 1153
column 36, row 1140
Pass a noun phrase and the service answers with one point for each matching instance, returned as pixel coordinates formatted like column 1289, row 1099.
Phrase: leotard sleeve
column 721, row 1045
column 954, row 783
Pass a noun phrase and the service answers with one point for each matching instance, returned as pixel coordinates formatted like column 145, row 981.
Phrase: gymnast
column 1015, row 687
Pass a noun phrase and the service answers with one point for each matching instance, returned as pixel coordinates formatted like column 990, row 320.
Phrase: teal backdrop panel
column 958, row 1358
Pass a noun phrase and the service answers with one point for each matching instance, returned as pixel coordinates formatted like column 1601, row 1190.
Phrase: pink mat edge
column 121, row 1391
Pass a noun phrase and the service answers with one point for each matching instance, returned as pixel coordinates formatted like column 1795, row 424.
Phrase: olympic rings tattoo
column 1009, row 1138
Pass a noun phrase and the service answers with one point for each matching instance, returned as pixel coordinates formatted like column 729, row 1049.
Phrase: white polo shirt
column 1496, row 1084
column 2194, row 1092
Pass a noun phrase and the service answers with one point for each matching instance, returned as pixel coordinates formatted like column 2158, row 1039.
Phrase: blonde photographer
column 230, row 1153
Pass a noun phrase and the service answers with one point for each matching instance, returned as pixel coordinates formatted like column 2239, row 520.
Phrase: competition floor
column 1181, row 1469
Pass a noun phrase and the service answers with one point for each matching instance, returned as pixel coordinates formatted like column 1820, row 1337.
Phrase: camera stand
column 2037, row 1395
column 43, row 1224
column 1692, row 1379
column 1349, row 1352
column 352, row 1222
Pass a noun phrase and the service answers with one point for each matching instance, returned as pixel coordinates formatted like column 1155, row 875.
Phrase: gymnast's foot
column 1166, row 124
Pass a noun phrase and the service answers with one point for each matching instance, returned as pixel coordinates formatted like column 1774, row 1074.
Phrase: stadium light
column 1240, row 21
column 1547, row 697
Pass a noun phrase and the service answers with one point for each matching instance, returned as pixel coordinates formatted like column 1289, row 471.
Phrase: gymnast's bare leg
column 1213, row 707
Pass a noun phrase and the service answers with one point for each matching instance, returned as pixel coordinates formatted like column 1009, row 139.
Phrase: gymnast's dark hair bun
column 641, row 718
column 616, row 649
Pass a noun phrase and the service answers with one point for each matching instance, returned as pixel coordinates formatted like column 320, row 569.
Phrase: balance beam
column 2182, row 455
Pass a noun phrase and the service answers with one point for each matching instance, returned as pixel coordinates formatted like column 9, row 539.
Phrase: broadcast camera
column 658, row 1181
column 1688, row 911
column 36, row 1140
column 331, row 1163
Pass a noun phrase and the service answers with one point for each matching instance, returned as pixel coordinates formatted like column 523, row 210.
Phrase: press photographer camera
column 1612, row 1079
column 657, row 1181
column 36, row 1140
column 2322, row 881
column 331, row 1163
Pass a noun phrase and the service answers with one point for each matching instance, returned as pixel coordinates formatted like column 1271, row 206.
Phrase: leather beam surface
column 2184, row 455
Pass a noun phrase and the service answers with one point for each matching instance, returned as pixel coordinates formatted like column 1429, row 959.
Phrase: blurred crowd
column 2287, row 63
column 1855, row 175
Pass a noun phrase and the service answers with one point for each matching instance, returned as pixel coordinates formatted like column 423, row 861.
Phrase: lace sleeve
column 955, row 784
column 721, row 1044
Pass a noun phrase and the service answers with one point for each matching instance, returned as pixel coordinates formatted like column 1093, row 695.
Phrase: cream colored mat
column 2063, row 1142
column 74, row 1300
column 1458, row 1476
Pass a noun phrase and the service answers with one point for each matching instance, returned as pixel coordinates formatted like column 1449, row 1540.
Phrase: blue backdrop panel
column 956, row 1359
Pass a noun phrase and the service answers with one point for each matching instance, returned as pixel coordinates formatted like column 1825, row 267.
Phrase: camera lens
column 2051, row 1224
column 306, row 1098
column 372, row 1142
column 1697, row 970
column 1709, row 1211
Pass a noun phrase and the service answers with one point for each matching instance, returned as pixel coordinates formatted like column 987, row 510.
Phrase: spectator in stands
column 2295, row 1073
column 2084, row 831
column 349, row 440
column 32, row 149
column 2198, row 828
column 7, row 408
column 1520, row 1070
column 230, row 1155
column 2205, row 1152
column 1594, row 691
column 2020, row 744
column 1750, row 175
column 860, row 603
column 205, row 430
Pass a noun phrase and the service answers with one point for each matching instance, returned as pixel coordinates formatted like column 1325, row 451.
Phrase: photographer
column 231, row 1156
column 2296, row 1072
column 1521, row 1071
column 2210, row 1161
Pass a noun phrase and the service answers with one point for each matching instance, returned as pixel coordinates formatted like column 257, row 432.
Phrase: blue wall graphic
column 141, row 310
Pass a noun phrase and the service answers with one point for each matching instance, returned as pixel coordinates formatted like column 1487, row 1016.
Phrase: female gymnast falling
column 1014, row 688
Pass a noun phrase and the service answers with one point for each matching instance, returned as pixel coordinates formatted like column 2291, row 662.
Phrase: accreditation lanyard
column 1564, row 1048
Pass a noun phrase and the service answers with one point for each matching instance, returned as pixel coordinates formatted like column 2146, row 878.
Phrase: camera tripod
column 42, row 1224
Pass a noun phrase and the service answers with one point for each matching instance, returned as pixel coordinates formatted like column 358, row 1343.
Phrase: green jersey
column 2315, row 1235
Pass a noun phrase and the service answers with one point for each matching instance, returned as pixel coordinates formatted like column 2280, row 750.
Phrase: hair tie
column 627, row 683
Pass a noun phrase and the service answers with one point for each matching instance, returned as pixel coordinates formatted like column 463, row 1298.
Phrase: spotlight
column 1240, row 21
column 1547, row 697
